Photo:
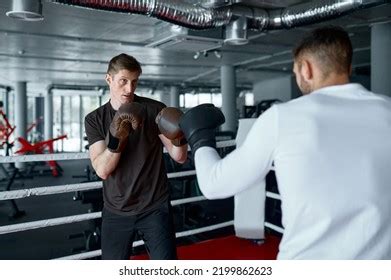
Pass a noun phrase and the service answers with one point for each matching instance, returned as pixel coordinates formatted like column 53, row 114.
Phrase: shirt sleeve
column 246, row 165
column 92, row 130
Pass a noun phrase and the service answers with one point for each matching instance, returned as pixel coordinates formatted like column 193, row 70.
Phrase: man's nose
column 129, row 87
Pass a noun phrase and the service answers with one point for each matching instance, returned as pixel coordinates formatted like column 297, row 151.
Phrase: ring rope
column 181, row 174
column 90, row 216
column 49, row 222
column 274, row 227
column 74, row 156
column 44, row 157
column 74, row 219
column 49, row 190
column 98, row 253
column 188, row 200
column 273, row 195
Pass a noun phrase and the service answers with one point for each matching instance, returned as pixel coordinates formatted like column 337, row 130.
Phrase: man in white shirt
column 331, row 151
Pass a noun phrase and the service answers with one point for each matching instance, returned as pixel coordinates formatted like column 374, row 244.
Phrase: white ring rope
column 273, row 195
column 274, row 227
column 74, row 219
column 98, row 253
column 188, row 200
column 181, row 174
column 44, row 157
column 82, row 256
column 74, row 156
column 49, row 222
column 225, row 143
column 90, row 216
column 49, row 190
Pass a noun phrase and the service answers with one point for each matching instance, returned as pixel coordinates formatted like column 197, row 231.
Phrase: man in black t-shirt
column 126, row 138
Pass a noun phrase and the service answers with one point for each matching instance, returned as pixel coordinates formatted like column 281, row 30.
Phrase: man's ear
column 306, row 70
column 108, row 79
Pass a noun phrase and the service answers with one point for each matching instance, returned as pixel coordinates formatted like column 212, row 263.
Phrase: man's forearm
column 179, row 154
column 105, row 163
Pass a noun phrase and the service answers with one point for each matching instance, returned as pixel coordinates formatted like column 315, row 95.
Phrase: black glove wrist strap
column 202, row 138
column 113, row 142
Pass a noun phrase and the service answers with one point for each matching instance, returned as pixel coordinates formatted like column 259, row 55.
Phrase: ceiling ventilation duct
column 219, row 13
column 236, row 32
column 314, row 12
column 173, row 11
column 27, row 10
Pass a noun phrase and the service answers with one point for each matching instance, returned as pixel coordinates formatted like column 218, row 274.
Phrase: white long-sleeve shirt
column 332, row 155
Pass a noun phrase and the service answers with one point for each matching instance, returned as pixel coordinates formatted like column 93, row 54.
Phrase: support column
column 228, row 85
column 174, row 96
column 20, row 115
column 81, row 121
column 39, row 110
column 48, row 115
column 62, row 100
column 6, row 101
column 380, row 58
column 70, row 133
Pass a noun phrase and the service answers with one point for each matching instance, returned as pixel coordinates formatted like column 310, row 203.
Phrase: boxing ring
column 248, row 224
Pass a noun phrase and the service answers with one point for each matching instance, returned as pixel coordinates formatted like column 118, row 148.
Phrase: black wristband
column 113, row 142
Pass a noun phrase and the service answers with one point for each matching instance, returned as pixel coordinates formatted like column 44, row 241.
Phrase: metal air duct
column 197, row 17
column 180, row 13
column 27, row 10
column 314, row 12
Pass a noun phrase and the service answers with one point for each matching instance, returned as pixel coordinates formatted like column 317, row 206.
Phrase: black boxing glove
column 199, row 125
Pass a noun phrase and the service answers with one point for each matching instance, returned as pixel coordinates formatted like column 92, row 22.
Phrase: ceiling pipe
column 198, row 17
column 314, row 12
column 180, row 13
column 27, row 10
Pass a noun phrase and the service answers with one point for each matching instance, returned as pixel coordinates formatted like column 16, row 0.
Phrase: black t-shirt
column 139, row 182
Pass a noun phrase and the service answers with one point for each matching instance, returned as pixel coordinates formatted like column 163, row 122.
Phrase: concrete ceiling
column 73, row 46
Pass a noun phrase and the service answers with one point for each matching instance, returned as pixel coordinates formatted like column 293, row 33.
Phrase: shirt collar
column 340, row 89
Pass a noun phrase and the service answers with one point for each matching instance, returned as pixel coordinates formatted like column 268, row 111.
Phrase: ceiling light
column 196, row 55
column 27, row 10
column 217, row 54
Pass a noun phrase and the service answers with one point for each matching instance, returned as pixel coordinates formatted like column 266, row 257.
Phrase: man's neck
column 114, row 105
column 333, row 80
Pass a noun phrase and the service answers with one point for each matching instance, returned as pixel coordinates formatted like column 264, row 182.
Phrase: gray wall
column 277, row 88
column 285, row 88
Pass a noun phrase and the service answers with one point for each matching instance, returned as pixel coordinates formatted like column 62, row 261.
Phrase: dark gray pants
column 155, row 227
